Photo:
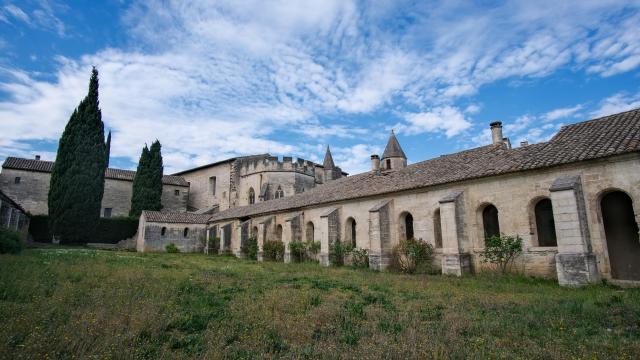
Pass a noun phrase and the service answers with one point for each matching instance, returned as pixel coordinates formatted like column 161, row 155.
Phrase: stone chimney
column 37, row 157
column 496, row 132
column 375, row 163
column 506, row 142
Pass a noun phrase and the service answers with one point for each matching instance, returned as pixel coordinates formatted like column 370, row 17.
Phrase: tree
column 77, row 179
column 502, row 250
column 147, row 183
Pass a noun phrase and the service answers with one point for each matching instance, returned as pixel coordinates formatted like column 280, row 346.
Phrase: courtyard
column 81, row 303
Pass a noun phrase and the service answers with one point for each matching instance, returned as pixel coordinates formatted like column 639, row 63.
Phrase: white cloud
column 561, row 113
column 617, row 103
column 449, row 120
column 17, row 13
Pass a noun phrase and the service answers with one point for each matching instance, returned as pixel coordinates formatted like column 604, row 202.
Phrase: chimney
column 506, row 142
column 375, row 162
column 496, row 132
column 524, row 143
column 37, row 157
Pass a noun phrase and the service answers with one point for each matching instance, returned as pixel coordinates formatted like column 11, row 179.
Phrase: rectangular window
column 107, row 212
column 17, row 180
column 212, row 185
column 176, row 192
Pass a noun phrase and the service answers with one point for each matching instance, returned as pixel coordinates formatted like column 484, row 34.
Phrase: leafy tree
column 502, row 250
column 77, row 179
column 147, row 183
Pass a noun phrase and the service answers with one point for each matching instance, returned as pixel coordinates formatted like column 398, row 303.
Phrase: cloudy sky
column 214, row 79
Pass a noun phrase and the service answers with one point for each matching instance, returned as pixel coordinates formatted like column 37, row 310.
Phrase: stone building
column 27, row 182
column 158, row 229
column 247, row 180
column 573, row 199
column 13, row 216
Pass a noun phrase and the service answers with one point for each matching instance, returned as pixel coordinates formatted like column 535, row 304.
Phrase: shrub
column 360, row 258
column 502, row 250
column 250, row 248
column 337, row 252
column 298, row 251
column 172, row 248
column 109, row 230
column 273, row 250
column 10, row 242
column 411, row 255
column 214, row 244
column 313, row 247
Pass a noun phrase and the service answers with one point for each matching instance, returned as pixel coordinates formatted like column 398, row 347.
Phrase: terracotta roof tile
column 110, row 173
column 607, row 136
column 175, row 217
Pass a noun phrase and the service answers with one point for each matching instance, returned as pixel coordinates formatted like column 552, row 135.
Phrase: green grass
column 76, row 303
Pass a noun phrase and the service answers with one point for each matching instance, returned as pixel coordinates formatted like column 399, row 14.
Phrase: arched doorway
column 406, row 226
column 350, row 232
column 621, row 231
column 310, row 231
column 437, row 229
column 545, row 225
column 490, row 223
column 279, row 233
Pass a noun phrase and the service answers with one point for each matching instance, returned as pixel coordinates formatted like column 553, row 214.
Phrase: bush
column 250, row 248
column 214, row 244
column 172, row 248
column 10, row 242
column 502, row 250
column 273, row 250
column 313, row 247
column 360, row 258
column 337, row 252
column 298, row 251
column 412, row 255
column 109, row 231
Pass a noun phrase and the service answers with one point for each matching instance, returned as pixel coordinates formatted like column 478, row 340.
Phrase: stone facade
column 157, row 230
column 13, row 216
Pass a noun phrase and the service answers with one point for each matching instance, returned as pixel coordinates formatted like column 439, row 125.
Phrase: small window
column 279, row 193
column 176, row 192
column 212, row 185
column 163, row 231
column 185, row 233
column 388, row 164
column 17, row 180
column 252, row 196
column 107, row 212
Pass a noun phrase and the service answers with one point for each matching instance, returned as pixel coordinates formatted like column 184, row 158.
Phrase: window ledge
column 542, row 249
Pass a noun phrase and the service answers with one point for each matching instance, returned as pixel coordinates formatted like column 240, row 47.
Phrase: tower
column 328, row 166
column 393, row 157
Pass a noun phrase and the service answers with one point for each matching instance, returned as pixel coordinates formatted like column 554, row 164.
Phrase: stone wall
column 151, row 238
column 13, row 218
column 33, row 189
column 200, row 195
column 512, row 195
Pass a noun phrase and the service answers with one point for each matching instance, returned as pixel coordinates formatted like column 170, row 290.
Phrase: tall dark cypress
column 77, row 180
column 107, row 150
column 156, row 169
column 141, row 184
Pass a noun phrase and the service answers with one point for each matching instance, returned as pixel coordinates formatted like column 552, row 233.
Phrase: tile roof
column 175, row 217
column 110, row 173
column 607, row 136
column 5, row 197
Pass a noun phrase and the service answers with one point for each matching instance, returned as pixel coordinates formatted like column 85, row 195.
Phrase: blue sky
column 212, row 80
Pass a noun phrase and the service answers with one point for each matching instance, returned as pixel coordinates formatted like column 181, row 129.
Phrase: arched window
column 310, row 231
column 545, row 225
column 163, row 231
column 437, row 229
column 252, row 196
column 490, row 223
column 279, row 233
column 408, row 226
column 185, row 232
column 254, row 232
column 279, row 192
column 621, row 231
column 350, row 232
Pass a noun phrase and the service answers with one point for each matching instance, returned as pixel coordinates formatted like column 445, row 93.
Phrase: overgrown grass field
column 77, row 303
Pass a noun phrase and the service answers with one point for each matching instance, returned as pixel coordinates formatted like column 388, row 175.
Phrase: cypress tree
column 147, row 183
column 107, row 150
column 77, row 179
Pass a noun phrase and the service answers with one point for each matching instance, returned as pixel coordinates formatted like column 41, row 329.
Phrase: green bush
column 313, row 247
column 411, row 256
column 109, row 231
column 172, row 248
column 250, row 248
column 502, row 250
column 273, row 250
column 10, row 242
column 298, row 251
column 360, row 258
column 214, row 244
column 337, row 252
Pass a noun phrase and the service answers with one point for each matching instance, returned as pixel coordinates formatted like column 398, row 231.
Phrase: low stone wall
column 154, row 237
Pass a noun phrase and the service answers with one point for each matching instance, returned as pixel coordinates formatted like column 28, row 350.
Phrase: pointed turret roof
column 328, row 160
column 393, row 148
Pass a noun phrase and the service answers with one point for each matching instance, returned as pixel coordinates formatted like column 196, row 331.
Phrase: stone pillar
column 206, row 242
column 221, row 242
column 261, row 232
column 575, row 263
column 235, row 239
column 454, row 260
column 380, row 236
column 329, row 232
column 286, row 240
